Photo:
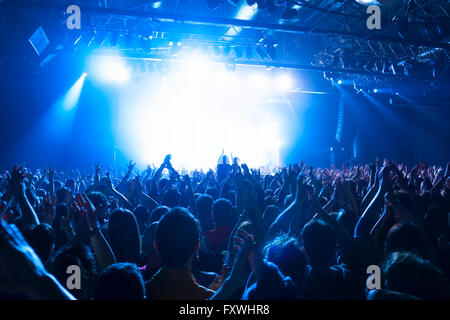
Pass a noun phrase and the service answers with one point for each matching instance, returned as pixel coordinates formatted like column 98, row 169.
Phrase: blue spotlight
column 375, row 90
column 340, row 82
column 70, row 100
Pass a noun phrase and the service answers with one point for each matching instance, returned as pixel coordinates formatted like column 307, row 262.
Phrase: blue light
column 157, row 5
column 73, row 95
column 375, row 90
column 245, row 12
column 340, row 82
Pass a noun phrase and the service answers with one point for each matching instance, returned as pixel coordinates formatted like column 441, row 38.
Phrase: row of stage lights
column 115, row 69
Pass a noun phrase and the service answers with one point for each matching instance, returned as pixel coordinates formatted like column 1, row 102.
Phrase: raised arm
column 22, row 271
column 89, row 214
column 370, row 215
column 17, row 187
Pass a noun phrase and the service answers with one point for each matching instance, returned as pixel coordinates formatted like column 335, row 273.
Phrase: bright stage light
column 284, row 82
column 258, row 81
column 194, row 121
column 110, row 69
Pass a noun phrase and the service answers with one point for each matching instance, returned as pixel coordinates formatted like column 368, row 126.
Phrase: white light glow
column 284, row 82
column 258, row 81
column 110, row 69
column 245, row 12
column 195, row 112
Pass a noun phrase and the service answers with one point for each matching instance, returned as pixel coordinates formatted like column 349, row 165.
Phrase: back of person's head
column 124, row 236
column 62, row 195
column 222, row 212
column 408, row 273
column 120, row 281
column 204, row 205
column 177, row 237
column 162, row 183
column 70, row 184
column 408, row 237
column 272, row 285
column 98, row 199
column 75, row 255
column 142, row 217
column 42, row 239
column 171, row 197
column 213, row 192
column 286, row 252
column 157, row 213
column 319, row 243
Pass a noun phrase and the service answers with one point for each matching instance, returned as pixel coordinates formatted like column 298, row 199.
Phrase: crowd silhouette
column 232, row 233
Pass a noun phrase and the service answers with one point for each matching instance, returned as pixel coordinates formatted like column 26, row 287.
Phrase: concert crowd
column 375, row 231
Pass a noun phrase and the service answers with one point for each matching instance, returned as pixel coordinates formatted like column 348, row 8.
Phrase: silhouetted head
column 171, row 198
column 42, row 239
column 204, row 205
column 287, row 254
column 120, row 281
column 408, row 237
column 157, row 213
column 177, row 237
column 319, row 243
column 75, row 255
column 408, row 273
column 123, row 235
column 222, row 212
column 142, row 217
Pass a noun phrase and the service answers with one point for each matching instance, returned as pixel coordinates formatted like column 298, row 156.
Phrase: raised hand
column 16, row 181
column 87, row 209
column 243, row 243
column 97, row 168
column 66, row 226
column 167, row 159
column 131, row 166
column 48, row 209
